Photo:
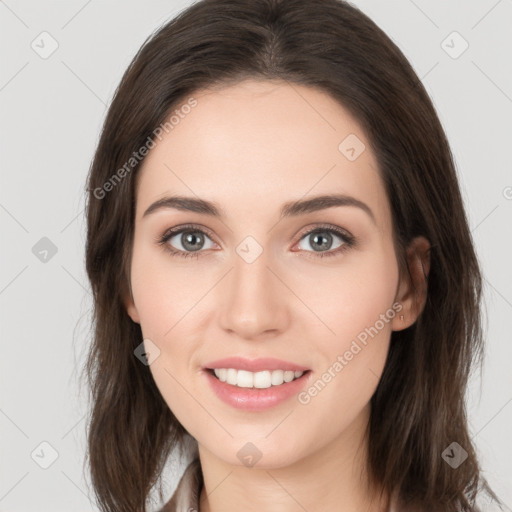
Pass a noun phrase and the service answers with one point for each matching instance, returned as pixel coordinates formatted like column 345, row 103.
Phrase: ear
column 412, row 288
column 129, row 304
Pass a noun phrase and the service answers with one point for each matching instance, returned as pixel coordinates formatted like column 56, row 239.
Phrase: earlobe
column 412, row 290
column 132, row 312
column 130, row 307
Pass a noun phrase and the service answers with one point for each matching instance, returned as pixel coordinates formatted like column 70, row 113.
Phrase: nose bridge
column 254, row 296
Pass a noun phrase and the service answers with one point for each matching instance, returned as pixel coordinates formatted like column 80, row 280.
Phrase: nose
column 254, row 301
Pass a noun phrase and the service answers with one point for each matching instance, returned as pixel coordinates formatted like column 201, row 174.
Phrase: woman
column 282, row 271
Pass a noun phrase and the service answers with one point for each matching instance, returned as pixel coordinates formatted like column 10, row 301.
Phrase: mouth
column 256, row 380
column 255, row 391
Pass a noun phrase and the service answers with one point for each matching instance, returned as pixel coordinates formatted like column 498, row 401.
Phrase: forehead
column 262, row 140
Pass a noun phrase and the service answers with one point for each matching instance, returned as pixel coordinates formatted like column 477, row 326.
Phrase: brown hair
column 418, row 409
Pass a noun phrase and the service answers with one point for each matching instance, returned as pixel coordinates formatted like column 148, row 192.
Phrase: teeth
column 263, row 379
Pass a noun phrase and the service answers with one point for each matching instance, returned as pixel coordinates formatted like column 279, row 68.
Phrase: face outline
column 250, row 148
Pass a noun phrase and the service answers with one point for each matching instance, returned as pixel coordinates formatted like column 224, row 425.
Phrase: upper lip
column 254, row 365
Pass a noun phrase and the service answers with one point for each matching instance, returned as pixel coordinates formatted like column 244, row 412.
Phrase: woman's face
column 254, row 284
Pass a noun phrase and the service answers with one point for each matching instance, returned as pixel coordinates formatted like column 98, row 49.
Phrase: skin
column 251, row 147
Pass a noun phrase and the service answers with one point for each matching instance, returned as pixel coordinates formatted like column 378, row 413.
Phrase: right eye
column 189, row 241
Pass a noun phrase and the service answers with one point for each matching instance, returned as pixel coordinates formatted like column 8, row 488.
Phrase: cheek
column 168, row 300
column 348, row 300
column 163, row 294
column 357, row 305
column 158, row 289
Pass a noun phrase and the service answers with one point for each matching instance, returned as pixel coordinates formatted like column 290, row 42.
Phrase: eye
column 321, row 240
column 189, row 241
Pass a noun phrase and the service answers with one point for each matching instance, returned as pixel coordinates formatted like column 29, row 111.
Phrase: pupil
column 327, row 240
column 191, row 241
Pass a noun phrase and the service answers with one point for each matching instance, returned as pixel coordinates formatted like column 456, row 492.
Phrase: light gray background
column 51, row 113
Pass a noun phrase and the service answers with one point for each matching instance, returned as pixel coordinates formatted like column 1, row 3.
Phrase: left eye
column 322, row 239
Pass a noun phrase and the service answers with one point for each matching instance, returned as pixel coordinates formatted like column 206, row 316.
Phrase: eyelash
column 348, row 240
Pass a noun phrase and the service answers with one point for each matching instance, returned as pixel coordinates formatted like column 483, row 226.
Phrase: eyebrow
column 289, row 209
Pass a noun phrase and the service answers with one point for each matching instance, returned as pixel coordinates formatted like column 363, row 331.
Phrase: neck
column 333, row 477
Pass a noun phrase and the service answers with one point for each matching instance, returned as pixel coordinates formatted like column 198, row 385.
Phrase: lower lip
column 256, row 399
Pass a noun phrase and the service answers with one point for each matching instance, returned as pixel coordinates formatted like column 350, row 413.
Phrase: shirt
column 186, row 495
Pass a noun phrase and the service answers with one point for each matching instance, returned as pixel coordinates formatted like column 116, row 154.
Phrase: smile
column 261, row 380
column 254, row 398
